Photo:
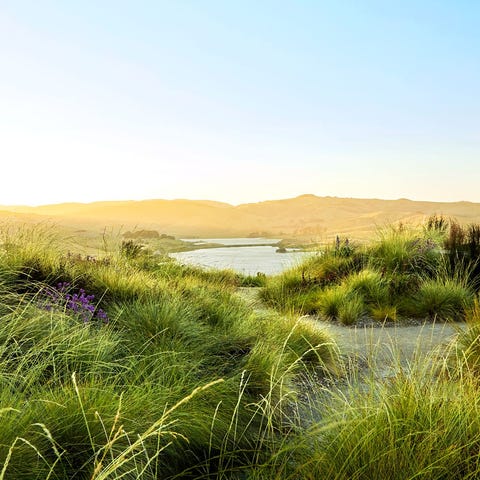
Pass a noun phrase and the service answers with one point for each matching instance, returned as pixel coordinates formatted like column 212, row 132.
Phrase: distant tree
column 142, row 234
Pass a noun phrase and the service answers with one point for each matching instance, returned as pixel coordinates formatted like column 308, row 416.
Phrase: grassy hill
column 135, row 367
column 304, row 217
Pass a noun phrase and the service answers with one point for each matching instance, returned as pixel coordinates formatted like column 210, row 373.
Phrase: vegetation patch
column 429, row 272
column 128, row 365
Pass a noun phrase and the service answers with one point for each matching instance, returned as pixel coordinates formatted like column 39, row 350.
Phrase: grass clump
column 402, row 250
column 369, row 284
column 331, row 300
column 406, row 429
column 469, row 339
column 351, row 310
column 341, row 303
column 384, row 313
column 442, row 299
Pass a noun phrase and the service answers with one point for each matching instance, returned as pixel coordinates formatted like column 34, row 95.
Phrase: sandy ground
column 387, row 344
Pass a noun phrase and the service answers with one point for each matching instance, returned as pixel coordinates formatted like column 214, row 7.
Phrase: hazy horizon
column 239, row 102
column 125, row 200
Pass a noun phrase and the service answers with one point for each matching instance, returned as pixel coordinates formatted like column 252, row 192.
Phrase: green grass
column 403, row 273
column 384, row 313
column 442, row 299
column 420, row 422
column 405, row 250
column 370, row 285
column 412, row 428
column 351, row 310
column 185, row 380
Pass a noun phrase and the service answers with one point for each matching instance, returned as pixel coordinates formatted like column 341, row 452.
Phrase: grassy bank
column 405, row 273
column 124, row 366
column 129, row 366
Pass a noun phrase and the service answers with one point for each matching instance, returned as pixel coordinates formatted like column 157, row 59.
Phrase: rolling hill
column 305, row 216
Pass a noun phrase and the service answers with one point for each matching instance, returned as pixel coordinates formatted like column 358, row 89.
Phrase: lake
column 244, row 255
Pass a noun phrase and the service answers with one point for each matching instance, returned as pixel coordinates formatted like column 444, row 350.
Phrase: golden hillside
column 306, row 216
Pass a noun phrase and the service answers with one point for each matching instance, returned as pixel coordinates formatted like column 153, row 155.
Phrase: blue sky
column 239, row 101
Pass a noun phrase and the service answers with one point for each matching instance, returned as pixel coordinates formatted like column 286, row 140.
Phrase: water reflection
column 248, row 260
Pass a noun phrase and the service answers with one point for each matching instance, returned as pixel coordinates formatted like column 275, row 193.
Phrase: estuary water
column 244, row 255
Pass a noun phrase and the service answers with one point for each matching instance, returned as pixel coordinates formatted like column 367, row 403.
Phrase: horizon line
column 180, row 199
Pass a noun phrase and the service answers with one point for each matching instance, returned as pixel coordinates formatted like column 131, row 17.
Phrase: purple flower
column 81, row 304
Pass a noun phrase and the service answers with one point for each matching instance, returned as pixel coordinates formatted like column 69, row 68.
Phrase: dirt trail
column 384, row 345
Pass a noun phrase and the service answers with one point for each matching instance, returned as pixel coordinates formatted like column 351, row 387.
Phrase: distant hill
column 306, row 216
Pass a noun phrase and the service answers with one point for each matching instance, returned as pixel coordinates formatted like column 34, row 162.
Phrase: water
column 238, row 241
column 248, row 260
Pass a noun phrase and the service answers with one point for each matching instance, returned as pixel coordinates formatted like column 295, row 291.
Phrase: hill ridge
column 303, row 216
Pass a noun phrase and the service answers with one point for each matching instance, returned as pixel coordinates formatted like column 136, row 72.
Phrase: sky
column 239, row 101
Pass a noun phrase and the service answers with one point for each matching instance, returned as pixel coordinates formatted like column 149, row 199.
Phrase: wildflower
column 78, row 303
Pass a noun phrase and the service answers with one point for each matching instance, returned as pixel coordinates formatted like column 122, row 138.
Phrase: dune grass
column 403, row 273
column 180, row 379
column 183, row 380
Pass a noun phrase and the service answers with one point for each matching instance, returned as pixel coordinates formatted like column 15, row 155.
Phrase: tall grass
column 421, row 421
column 444, row 299
column 405, row 272
column 184, row 381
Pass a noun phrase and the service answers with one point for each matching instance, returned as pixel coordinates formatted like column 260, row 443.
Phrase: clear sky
column 239, row 100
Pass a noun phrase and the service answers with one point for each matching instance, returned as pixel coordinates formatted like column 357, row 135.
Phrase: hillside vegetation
column 131, row 366
column 306, row 217
column 126, row 365
column 404, row 273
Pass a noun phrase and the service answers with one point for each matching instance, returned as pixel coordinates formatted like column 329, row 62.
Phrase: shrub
column 351, row 310
column 368, row 283
column 384, row 313
column 443, row 299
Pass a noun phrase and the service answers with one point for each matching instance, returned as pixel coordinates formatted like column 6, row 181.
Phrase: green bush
column 442, row 299
column 403, row 251
column 369, row 284
column 351, row 310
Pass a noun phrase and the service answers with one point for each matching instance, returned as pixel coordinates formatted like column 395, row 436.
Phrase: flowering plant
column 78, row 303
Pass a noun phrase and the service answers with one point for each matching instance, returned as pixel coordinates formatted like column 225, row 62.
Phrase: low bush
column 442, row 299
column 384, row 313
column 351, row 310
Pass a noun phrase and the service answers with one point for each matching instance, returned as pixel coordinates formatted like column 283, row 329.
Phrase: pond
column 244, row 255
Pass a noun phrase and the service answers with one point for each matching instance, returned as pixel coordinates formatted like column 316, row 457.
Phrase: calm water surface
column 238, row 241
column 248, row 260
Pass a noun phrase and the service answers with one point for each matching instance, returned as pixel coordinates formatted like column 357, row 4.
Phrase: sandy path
column 382, row 344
